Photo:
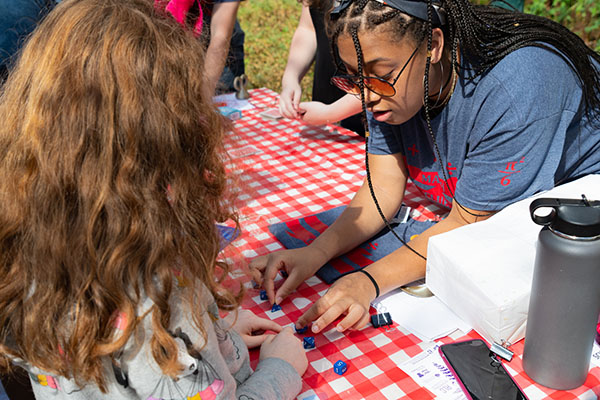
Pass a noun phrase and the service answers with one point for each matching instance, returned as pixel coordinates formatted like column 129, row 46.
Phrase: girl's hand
column 287, row 347
column 350, row 295
column 252, row 328
column 315, row 113
column 289, row 99
column 298, row 264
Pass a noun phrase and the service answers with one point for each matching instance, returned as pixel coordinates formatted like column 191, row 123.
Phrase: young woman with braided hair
column 479, row 106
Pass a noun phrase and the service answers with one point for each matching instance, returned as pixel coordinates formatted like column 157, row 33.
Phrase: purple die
column 276, row 307
column 301, row 330
column 308, row 342
column 263, row 295
column 340, row 367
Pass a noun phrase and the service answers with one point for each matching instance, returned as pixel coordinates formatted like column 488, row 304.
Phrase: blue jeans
column 3, row 395
column 18, row 18
column 235, row 60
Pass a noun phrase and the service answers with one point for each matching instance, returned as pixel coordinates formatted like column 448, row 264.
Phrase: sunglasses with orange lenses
column 351, row 83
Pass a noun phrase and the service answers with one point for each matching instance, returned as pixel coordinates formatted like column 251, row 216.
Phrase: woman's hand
column 252, row 328
column 298, row 265
column 350, row 295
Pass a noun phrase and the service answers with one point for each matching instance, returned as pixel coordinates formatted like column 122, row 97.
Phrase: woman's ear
column 437, row 45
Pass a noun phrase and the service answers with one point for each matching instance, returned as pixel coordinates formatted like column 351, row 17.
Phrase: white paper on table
column 430, row 371
column 595, row 361
column 426, row 317
column 233, row 102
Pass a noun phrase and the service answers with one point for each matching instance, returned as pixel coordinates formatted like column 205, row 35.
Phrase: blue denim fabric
column 3, row 395
column 18, row 18
column 235, row 60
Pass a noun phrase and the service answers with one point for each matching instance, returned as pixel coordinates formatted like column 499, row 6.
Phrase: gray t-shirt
column 515, row 131
column 220, row 370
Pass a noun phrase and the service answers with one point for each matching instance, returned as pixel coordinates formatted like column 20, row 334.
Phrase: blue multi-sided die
column 263, row 295
column 340, row 367
column 301, row 330
column 276, row 307
column 308, row 342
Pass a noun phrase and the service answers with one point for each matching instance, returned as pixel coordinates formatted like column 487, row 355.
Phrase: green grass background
column 270, row 24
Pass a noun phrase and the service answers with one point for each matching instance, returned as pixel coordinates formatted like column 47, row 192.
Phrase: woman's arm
column 302, row 53
column 352, row 294
column 359, row 221
column 221, row 29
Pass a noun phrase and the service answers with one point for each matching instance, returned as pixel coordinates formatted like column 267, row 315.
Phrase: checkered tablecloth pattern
column 284, row 170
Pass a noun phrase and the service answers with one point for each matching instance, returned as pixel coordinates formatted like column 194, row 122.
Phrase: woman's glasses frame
column 380, row 86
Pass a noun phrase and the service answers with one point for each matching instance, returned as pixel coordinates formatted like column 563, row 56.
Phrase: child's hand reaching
column 252, row 328
column 287, row 347
column 315, row 113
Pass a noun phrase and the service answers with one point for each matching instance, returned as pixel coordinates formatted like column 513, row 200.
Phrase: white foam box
column 483, row 271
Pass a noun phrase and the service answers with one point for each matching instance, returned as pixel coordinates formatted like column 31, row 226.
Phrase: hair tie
column 372, row 280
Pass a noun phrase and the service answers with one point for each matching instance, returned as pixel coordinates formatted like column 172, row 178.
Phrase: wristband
column 372, row 281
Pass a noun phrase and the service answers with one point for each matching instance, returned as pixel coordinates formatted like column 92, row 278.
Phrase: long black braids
column 427, row 108
column 487, row 34
column 353, row 28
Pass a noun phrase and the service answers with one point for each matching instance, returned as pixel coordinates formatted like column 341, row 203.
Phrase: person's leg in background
column 3, row 395
column 17, row 386
column 235, row 60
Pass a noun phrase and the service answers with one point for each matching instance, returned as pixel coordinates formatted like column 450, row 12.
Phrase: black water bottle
column 565, row 293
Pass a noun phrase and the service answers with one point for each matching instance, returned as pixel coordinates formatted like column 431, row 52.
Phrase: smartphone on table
column 480, row 372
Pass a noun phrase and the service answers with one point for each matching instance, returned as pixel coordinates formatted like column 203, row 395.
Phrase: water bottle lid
column 578, row 218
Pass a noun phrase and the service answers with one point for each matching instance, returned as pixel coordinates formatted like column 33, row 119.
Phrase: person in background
column 111, row 157
column 215, row 21
column 479, row 106
column 225, row 52
column 329, row 104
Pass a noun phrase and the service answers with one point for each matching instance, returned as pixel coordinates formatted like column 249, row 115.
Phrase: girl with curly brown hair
column 112, row 181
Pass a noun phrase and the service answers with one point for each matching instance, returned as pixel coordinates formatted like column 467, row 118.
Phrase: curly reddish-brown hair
column 112, row 177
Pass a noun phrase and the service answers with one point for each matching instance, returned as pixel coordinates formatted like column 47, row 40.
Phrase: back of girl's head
column 111, row 178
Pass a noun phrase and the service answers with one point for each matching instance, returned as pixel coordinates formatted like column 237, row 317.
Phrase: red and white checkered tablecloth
column 284, row 170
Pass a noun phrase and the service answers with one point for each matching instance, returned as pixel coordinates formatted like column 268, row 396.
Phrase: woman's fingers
column 294, row 279
column 322, row 313
column 264, row 269
column 356, row 318
column 347, row 296
column 271, row 270
column 257, row 266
